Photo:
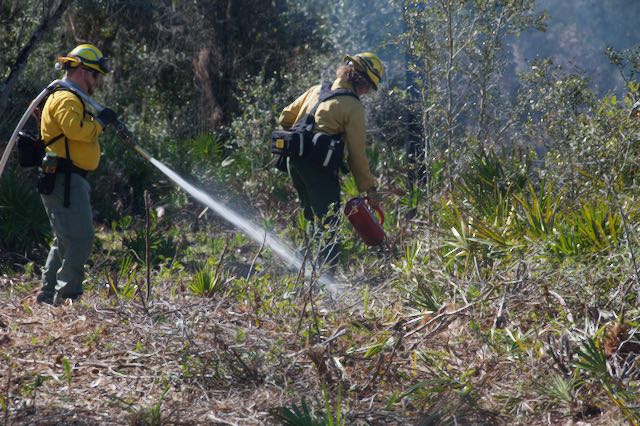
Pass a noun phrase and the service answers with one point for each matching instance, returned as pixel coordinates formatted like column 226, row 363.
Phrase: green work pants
column 73, row 237
column 319, row 193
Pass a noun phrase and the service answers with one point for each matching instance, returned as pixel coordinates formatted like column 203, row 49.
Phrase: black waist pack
column 289, row 143
column 319, row 149
column 327, row 151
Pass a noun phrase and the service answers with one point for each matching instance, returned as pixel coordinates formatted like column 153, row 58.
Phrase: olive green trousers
column 319, row 193
column 73, row 237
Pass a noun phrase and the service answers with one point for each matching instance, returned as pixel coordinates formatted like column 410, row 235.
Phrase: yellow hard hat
column 87, row 55
column 369, row 64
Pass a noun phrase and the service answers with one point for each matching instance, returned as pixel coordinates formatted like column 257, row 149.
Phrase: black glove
column 107, row 117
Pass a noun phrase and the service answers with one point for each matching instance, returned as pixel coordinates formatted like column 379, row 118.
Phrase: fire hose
column 121, row 129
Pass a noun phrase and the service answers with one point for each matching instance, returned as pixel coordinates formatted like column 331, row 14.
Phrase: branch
column 21, row 61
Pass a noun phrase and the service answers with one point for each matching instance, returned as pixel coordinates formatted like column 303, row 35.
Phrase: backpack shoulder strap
column 54, row 139
column 326, row 93
column 307, row 121
column 61, row 88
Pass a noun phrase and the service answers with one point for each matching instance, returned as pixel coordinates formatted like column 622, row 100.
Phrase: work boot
column 46, row 298
column 59, row 299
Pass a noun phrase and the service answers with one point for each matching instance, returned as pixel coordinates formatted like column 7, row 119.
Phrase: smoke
column 577, row 35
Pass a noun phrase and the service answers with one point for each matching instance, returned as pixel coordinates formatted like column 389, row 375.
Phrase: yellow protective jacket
column 340, row 115
column 63, row 112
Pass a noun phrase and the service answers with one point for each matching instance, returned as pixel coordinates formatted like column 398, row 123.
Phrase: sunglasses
column 102, row 63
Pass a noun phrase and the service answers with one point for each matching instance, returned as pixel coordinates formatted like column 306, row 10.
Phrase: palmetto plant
column 592, row 361
column 304, row 416
column 537, row 211
column 123, row 283
column 596, row 226
column 481, row 212
column 206, row 147
column 421, row 292
column 473, row 240
column 296, row 416
column 485, row 187
column 206, row 282
column 23, row 221
column 559, row 388
column 599, row 224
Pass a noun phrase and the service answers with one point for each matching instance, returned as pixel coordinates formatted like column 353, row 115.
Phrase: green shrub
column 537, row 211
column 23, row 221
column 491, row 180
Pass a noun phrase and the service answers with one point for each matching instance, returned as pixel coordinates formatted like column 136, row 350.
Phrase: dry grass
column 233, row 359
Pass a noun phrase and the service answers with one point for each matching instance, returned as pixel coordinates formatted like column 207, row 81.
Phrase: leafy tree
column 456, row 54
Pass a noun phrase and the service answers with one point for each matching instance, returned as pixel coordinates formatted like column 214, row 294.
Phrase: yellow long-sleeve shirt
column 63, row 113
column 340, row 115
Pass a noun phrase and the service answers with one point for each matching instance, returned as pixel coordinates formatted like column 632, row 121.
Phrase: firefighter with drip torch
column 333, row 120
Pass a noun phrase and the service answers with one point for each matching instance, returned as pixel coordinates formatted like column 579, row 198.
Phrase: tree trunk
column 17, row 68
column 448, row 6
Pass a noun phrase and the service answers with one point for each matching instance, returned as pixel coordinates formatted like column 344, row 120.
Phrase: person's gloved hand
column 107, row 117
column 635, row 110
column 373, row 197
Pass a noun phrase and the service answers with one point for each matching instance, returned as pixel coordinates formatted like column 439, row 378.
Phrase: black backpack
column 301, row 141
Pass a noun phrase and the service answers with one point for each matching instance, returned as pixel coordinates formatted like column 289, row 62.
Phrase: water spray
column 283, row 250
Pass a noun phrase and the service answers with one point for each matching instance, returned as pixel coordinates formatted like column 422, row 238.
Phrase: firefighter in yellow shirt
column 318, row 187
column 71, row 134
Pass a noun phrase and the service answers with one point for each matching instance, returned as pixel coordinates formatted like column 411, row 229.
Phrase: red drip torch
column 361, row 216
